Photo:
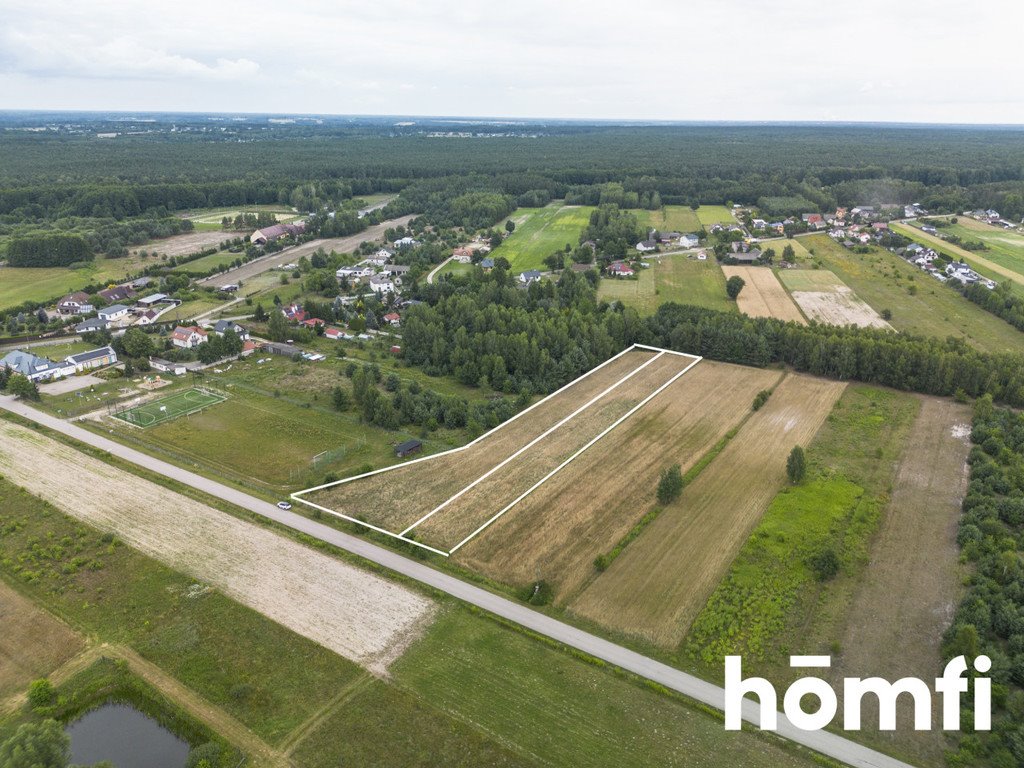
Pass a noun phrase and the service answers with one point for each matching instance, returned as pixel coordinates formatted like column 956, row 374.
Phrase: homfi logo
column 951, row 687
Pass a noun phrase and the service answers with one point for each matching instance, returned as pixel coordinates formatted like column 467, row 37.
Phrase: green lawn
column 266, row 676
column 544, row 703
column 885, row 281
column 673, row 278
column 544, row 231
column 206, row 263
column 769, row 604
column 670, row 218
column 455, row 268
column 19, row 284
column 715, row 214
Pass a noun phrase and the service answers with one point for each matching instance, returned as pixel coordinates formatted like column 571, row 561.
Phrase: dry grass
column 763, row 295
column 356, row 614
column 399, row 497
column 556, row 533
column 32, row 643
column 662, row 580
column 912, row 585
column 824, row 297
column 183, row 245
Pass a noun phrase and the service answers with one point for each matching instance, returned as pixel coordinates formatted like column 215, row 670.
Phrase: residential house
column 358, row 272
column 223, row 326
column 35, row 368
column 406, row 242
column 382, row 284
column 689, row 240
column 148, row 317
column 529, row 276
column 337, row 334
column 645, row 246
column 378, row 259
column 117, row 294
column 814, row 220
column 91, row 325
column 487, row 263
column 94, row 358
column 138, row 283
column 749, row 257
column 272, row 233
column 188, row 337
column 778, row 227
column 166, row 366
column 313, row 322
column 620, row 269
column 393, row 318
column 462, row 255
column 759, row 224
column 77, row 303
column 880, row 226
column 294, row 313
column 113, row 312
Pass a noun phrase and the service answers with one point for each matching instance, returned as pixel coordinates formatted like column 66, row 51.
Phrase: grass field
column 670, row 218
column 543, row 231
column 1005, row 247
column 763, row 294
column 558, row 532
column 824, row 297
column 209, row 219
column 919, row 304
column 23, row 657
column 553, row 710
column 770, row 603
column 799, row 251
column 715, row 214
column 168, row 408
column 192, row 309
column 671, row 278
column 20, row 284
column 455, row 268
column 266, row 676
column 206, row 263
column 661, row 581
column 979, row 260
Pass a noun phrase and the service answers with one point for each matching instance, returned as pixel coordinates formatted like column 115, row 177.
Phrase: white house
column 159, row 364
column 358, row 272
column 646, row 246
column 35, row 368
column 405, row 242
column 529, row 276
column 381, row 284
column 76, row 303
column 223, row 326
column 113, row 312
column 689, row 240
column 188, row 337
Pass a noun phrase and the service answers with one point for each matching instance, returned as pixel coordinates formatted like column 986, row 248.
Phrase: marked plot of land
column 763, row 295
column 445, row 501
column 657, row 586
column 825, row 298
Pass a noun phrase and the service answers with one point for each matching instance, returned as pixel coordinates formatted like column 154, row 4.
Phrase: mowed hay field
column 913, row 582
column 715, row 214
column 824, row 297
column 670, row 218
column 183, row 245
column 542, row 232
column 356, row 614
column 678, row 278
column 32, row 643
column 763, row 294
column 661, row 581
column 556, row 533
column 399, row 497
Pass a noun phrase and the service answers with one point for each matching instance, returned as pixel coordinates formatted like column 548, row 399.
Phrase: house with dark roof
column 223, row 326
column 646, row 246
column 77, row 303
column 91, row 325
column 529, row 276
column 94, row 358
column 117, row 294
column 113, row 312
column 35, row 368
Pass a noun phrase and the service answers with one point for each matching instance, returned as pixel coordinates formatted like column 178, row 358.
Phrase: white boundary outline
column 297, row 496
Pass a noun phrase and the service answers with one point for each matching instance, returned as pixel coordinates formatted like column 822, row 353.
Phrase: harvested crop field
column 763, row 295
column 356, row 614
column 912, row 585
column 825, row 298
column 32, row 644
column 183, row 245
column 662, row 580
column 557, row 532
column 398, row 498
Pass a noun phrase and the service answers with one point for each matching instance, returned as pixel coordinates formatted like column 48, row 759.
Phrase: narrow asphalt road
column 829, row 744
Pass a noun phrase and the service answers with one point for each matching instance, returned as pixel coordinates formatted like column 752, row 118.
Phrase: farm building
column 285, row 350
column 397, row 270
column 188, row 337
column 94, row 358
column 354, row 273
column 166, row 366
column 408, row 448
column 270, row 234
column 152, row 300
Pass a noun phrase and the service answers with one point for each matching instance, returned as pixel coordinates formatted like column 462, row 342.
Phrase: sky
column 938, row 61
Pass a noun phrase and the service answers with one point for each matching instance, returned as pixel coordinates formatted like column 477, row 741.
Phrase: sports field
column 824, row 297
column 763, row 294
column 541, row 232
column 171, row 407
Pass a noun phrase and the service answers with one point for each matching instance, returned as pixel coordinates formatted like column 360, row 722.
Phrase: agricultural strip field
column 663, row 579
column 824, row 297
column 354, row 613
column 544, row 231
column 670, row 218
column 447, row 502
column 885, row 281
column 912, row 584
column 678, row 278
column 32, row 644
column 763, row 294
column 171, row 407
column 715, row 214
column 976, row 259
column 557, row 532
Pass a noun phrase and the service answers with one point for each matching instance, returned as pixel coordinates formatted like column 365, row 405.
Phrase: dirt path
column 912, row 585
column 353, row 613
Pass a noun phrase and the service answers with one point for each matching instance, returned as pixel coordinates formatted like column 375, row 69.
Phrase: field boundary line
column 576, row 455
column 533, row 442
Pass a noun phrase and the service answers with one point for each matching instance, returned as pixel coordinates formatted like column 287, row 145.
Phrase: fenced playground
column 171, row 407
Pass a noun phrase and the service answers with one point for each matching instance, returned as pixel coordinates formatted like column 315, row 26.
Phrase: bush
column 825, row 564
column 761, row 399
column 539, row 593
column 40, row 694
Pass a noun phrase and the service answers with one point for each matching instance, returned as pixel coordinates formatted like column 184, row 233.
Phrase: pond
column 126, row 737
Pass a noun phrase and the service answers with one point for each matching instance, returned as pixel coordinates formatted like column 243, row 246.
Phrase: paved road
column 438, row 268
column 828, row 744
column 288, row 255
